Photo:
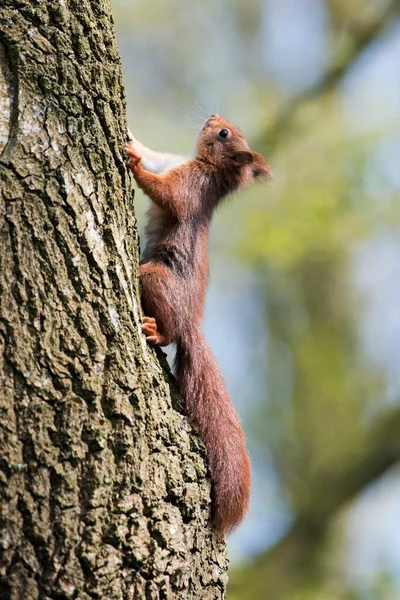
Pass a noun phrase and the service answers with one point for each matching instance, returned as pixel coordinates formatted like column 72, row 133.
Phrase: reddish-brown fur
column 174, row 274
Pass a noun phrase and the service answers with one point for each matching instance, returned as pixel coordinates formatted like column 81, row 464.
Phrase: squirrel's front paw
column 134, row 153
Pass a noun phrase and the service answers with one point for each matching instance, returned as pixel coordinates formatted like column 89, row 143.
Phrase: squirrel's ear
column 243, row 157
column 261, row 168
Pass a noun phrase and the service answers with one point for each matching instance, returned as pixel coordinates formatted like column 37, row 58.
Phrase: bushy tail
column 210, row 409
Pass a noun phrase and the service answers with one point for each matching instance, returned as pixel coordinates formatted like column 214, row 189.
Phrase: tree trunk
column 103, row 486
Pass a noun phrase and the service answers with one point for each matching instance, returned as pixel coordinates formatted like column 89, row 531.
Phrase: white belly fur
column 155, row 220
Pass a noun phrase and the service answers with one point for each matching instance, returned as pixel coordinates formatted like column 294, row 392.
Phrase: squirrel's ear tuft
column 261, row 168
column 243, row 157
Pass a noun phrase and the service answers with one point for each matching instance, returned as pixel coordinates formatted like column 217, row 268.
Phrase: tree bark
column 103, row 485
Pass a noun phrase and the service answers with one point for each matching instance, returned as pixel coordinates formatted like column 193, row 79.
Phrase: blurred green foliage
column 315, row 83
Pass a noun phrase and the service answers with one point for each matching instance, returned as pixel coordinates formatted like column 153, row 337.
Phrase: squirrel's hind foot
column 153, row 336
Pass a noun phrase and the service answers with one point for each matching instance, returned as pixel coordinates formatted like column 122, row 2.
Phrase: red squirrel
column 174, row 275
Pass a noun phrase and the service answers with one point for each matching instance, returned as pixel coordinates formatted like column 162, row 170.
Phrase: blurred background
column 303, row 308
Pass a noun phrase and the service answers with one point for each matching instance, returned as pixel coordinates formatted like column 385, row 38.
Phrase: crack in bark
column 9, row 58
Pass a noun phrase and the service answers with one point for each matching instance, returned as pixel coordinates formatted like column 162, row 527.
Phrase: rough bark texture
column 103, row 485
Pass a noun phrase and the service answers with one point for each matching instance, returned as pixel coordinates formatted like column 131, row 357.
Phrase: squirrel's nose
column 209, row 119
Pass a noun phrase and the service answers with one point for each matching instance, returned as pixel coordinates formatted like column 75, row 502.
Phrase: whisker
column 222, row 110
column 202, row 111
column 191, row 119
column 210, row 108
column 199, row 119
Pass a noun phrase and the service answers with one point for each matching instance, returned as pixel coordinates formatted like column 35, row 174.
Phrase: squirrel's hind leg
column 158, row 291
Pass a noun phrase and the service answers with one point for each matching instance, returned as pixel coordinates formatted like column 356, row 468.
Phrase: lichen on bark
column 103, row 484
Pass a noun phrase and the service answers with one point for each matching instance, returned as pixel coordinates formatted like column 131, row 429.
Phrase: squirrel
column 174, row 275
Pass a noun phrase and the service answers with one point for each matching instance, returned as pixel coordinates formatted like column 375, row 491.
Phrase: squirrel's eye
column 223, row 133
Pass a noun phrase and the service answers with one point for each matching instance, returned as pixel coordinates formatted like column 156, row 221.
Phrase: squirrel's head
column 222, row 143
